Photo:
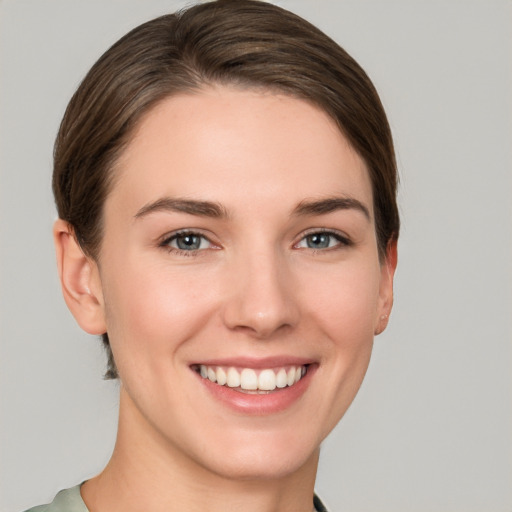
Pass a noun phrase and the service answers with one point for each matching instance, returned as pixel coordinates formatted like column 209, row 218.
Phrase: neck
column 146, row 472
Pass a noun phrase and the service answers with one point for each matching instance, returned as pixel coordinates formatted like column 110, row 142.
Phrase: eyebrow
column 217, row 211
column 190, row 206
column 330, row 204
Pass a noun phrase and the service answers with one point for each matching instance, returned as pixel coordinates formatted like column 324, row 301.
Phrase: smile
column 249, row 380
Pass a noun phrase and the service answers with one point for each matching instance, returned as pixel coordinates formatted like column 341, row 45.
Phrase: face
column 240, row 280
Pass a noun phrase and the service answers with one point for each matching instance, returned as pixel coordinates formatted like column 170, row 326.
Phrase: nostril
column 262, row 331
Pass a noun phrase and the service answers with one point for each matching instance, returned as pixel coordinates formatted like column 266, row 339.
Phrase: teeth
column 267, row 380
column 281, row 378
column 250, row 380
column 233, row 378
column 222, row 378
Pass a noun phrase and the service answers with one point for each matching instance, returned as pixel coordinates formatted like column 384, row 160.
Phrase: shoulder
column 68, row 500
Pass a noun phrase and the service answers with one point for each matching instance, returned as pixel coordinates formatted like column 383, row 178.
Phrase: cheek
column 344, row 301
column 339, row 309
column 344, row 309
column 152, row 310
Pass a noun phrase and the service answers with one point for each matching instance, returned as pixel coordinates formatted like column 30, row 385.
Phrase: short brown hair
column 245, row 43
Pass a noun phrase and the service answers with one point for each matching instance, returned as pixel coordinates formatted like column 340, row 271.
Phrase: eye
column 323, row 240
column 186, row 241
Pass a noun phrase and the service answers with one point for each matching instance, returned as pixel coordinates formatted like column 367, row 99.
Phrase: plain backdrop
column 431, row 428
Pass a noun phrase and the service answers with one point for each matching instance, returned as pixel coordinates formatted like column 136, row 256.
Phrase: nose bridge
column 260, row 301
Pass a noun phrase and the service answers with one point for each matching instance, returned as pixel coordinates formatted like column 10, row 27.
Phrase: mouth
column 259, row 381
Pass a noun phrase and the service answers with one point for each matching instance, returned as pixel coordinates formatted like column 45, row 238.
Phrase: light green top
column 70, row 500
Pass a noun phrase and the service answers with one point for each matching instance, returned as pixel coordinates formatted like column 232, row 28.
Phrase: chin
column 263, row 457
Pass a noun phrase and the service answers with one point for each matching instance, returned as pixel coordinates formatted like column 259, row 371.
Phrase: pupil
column 318, row 241
column 188, row 242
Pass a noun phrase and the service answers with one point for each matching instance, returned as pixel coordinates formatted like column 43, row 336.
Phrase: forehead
column 223, row 143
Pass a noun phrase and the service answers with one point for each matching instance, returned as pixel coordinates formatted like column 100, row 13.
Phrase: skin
column 255, row 288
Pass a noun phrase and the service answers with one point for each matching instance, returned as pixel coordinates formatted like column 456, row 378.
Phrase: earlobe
column 388, row 268
column 80, row 280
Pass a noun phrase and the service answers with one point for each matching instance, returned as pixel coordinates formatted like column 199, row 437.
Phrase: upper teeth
column 248, row 379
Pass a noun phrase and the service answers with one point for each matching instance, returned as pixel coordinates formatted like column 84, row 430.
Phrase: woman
column 225, row 182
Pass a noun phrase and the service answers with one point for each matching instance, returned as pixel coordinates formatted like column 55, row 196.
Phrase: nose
column 260, row 301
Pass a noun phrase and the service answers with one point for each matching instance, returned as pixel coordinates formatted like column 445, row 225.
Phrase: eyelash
column 341, row 239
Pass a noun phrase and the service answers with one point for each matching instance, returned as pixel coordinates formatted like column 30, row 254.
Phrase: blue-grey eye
column 321, row 240
column 188, row 242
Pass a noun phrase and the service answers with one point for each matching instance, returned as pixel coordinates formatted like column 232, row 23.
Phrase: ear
column 80, row 280
column 385, row 303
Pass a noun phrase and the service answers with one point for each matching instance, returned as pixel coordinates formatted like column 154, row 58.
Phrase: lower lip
column 260, row 404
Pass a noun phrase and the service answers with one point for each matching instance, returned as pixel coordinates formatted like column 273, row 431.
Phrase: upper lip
column 257, row 362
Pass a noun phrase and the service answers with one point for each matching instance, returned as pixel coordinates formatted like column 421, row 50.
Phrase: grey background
column 431, row 428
